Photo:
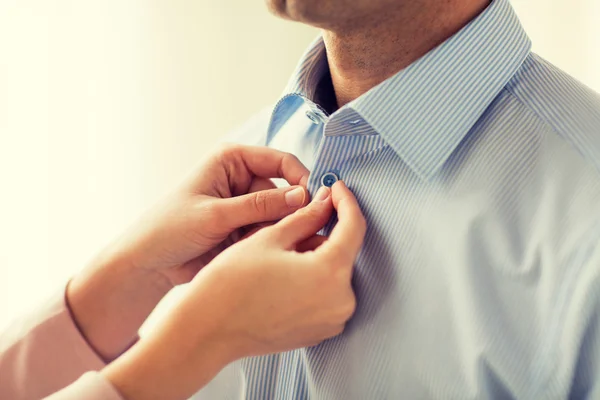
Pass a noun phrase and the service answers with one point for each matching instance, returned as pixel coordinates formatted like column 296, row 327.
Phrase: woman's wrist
column 110, row 300
column 184, row 352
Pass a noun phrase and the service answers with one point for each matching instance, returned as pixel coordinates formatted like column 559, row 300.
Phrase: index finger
column 265, row 162
column 348, row 234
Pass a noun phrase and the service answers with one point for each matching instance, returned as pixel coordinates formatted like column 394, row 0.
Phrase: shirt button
column 329, row 179
column 313, row 117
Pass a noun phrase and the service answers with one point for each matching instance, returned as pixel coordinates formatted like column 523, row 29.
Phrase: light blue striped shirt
column 477, row 168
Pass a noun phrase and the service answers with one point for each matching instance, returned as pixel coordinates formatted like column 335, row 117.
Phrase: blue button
column 329, row 179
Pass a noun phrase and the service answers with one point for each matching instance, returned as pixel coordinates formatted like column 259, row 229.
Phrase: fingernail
column 295, row 197
column 322, row 194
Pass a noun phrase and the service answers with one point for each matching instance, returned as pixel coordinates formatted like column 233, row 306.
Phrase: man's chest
column 461, row 282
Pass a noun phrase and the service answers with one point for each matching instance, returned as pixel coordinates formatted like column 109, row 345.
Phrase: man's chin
column 278, row 8
column 306, row 11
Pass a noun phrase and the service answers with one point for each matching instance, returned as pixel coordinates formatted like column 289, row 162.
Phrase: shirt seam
column 549, row 126
column 534, row 112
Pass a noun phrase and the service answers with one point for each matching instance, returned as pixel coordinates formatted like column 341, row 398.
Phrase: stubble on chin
column 278, row 7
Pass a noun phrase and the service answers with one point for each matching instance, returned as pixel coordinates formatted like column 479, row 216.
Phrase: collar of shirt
column 425, row 110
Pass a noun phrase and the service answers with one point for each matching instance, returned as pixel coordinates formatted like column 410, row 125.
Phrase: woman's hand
column 280, row 289
column 113, row 297
column 230, row 191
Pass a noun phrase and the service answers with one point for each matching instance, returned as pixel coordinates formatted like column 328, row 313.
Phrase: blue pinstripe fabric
column 477, row 168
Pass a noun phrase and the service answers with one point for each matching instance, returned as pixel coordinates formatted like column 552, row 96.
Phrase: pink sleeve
column 44, row 352
column 91, row 386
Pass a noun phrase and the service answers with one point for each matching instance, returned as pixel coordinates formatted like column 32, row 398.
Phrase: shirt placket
column 345, row 138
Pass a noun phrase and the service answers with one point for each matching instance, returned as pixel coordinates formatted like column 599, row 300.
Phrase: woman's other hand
column 230, row 191
column 282, row 288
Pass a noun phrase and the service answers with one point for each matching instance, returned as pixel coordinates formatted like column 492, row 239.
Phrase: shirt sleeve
column 586, row 378
column 44, row 352
column 583, row 322
column 91, row 386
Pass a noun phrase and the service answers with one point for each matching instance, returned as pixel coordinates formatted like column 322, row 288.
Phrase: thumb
column 263, row 206
column 305, row 222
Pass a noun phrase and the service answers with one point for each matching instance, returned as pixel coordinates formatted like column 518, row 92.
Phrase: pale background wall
column 105, row 105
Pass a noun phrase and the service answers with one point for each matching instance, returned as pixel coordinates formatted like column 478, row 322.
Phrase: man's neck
column 365, row 53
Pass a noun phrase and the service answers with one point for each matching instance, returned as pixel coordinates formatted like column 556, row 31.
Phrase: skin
column 168, row 246
column 228, row 232
column 368, row 41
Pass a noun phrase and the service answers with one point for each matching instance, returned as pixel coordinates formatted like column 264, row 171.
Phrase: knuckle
column 331, row 257
column 343, row 308
column 227, row 149
column 310, row 213
column 348, row 308
column 316, row 340
column 231, row 155
column 326, row 269
column 261, row 202
column 331, row 269
column 289, row 159
column 360, row 222
column 335, row 330
column 333, row 263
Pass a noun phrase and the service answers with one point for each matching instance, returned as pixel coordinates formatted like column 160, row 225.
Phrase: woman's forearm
column 110, row 300
column 180, row 356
